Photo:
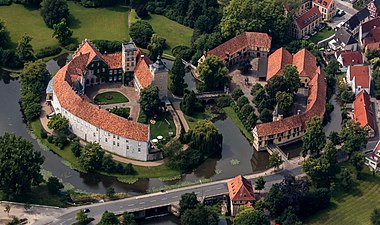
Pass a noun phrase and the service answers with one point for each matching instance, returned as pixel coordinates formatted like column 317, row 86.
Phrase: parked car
column 86, row 210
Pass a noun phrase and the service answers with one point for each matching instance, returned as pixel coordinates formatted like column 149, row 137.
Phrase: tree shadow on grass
column 340, row 194
column 322, row 216
column 118, row 9
column 73, row 22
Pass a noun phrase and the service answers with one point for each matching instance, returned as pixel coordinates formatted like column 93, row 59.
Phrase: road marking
column 153, row 201
column 164, row 198
column 141, row 203
column 218, row 188
column 197, row 192
column 207, row 190
column 175, row 196
column 131, row 204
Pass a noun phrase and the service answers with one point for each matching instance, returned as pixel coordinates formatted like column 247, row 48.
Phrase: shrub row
column 48, row 51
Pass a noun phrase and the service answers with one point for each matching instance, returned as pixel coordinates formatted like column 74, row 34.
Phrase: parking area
column 349, row 11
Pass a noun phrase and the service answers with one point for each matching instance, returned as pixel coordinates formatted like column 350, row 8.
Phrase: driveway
column 345, row 6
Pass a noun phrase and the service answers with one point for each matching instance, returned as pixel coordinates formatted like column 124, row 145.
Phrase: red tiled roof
column 323, row 3
column 277, row 61
column 351, row 58
column 361, row 75
column 373, row 46
column 91, row 113
column 315, row 107
column 304, row 60
column 88, row 48
column 142, row 72
column 240, row 189
column 363, row 110
column 238, row 43
column 114, row 60
column 308, row 17
column 369, row 25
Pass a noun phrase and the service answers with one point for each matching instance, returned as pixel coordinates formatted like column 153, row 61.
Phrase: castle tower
column 129, row 55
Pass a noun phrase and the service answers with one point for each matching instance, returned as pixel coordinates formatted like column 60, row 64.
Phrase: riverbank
column 143, row 172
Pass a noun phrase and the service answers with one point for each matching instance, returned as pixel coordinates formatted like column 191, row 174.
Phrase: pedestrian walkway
column 176, row 122
column 45, row 111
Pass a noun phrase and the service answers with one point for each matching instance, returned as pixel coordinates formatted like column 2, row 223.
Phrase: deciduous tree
column 213, row 73
column 62, row 32
column 200, row 215
column 141, row 33
column 250, row 216
column 353, row 137
column 188, row 201
column 357, row 161
column 266, row 116
column 150, row 100
column 109, row 218
column 314, row 138
column 375, row 216
column 176, row 76
column 59, row 124
column 285, row 102
column 53, row 11
column 18, row 156
column 4, row 36
column 156, row 46
column 275, row 160
column 91, row 157
column 24, row 49
column 260, row 183
column 54, row 185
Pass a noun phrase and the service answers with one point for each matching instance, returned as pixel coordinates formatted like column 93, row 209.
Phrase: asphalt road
column 162, row 199
column 345, row 6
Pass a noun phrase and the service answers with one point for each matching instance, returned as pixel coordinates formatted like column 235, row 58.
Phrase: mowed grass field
column 92, row 23
column 353, row 206
column 174, row 33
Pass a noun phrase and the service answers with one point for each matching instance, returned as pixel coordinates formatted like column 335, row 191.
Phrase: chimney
column 105, row 52
column 281, row 117
column 142, row 56
column 298, row 112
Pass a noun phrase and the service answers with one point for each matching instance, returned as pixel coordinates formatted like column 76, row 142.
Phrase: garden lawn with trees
column 162, row 126
column 111, row 97
column 351, row 207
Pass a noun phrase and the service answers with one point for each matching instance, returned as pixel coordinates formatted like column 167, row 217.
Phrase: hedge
column 48, row 51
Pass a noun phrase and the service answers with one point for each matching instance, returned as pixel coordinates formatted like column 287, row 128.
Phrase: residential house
column 306, row 23
column 372, row 159
column 354, row 23
column 241, row 192
column 363, row 113
column 359, row 78
column 326, row 7
column 247, row 45
column 349, row 58
column 300, row 10
column 343, row 40
column 374, row 8
column 366, row 28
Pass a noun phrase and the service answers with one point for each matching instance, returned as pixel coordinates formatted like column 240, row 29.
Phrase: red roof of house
column 88, row 48
column 373, row 46
column 308, row 17
column 363, row 110
column 114, row 60
column 240, row 42
column 277, row 61
column 323, row 3
column 369, row 25
column 82, row 108
column 316, row 105
column 240, row 189
column 361, row 75
column 142, row 71
column 351, row 58
column 304, row 60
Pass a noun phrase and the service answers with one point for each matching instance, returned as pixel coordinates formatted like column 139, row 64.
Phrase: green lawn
column 164, row 124
column 234, row 117
column 351, row 207
column 321, row 35
column 174, row 33
column 192, row 120
column 20, row 20
column 100, row 23
column 117, row 97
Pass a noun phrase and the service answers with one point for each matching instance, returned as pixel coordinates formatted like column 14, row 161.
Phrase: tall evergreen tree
column 176, row 76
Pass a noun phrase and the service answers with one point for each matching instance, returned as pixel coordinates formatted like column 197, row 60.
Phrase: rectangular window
column 97, row 70
column 139, row 150
column 94, row 135
column 110, row 72
column 127, row 147
column 103, row 70
column 109, row 134
column 118, row 137
column 113, row 136
column 132, row 64
column 106, row 140
column 139, row 144
column 98, row 64
column 114, row 143
column 120, row 71
column 126, row 141
column 118, row 144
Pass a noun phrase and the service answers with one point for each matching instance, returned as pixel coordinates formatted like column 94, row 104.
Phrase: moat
column 237, row 157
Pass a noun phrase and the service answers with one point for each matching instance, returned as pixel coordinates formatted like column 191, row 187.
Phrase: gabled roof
column 277, row 61
column 89, row 48
column 373, row 46
column 351, row 58
column 308, row 17
column 361, row 76
column 363, row 113
column 114, row 60
column 142, row 71
column 376, row 2
column 355, row 20
column 238, row 43
column 304, row 60
column 343, row 36
column 369, row 25
column 240, row 189
column 323, row 3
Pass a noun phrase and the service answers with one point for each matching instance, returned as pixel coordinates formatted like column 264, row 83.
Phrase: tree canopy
column 188, row 201
column 353, row 137
column 62, row 32
column 250, row 216
column 24, row 49
column 141, row 32
column 150, row 100
column 255, row 15
column 59, row 124
column 109, row 218
column 53, row 11
column 18, row 156
column 156, row 46
column 213, row 73
column 314, row 138
column 200, row 215
column 91, row 157
column 176, row 76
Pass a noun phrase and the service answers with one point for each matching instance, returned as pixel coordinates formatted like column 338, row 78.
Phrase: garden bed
column 111, row 97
